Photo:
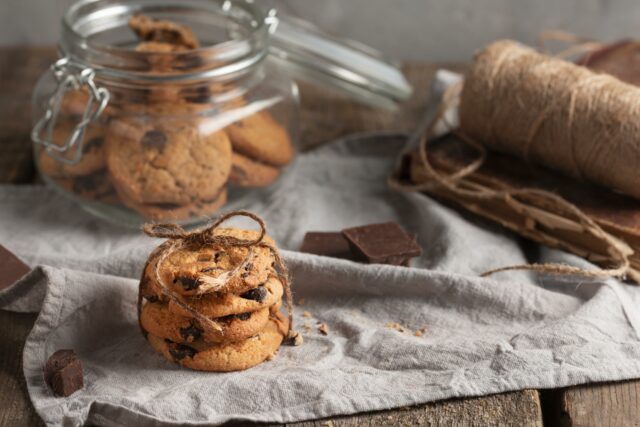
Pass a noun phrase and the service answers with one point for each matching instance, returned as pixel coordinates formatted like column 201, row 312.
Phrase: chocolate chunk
column 154, row 139
column 385, row 243
column 258, row 294
column 243, row 316
column 188, row 283
column 63, row 373
column 191, row 332
column 407, row 261
column 11, row 268
column 180, row 351
column 331, row 244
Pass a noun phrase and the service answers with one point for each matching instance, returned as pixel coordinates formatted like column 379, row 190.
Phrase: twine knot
column 179, row 238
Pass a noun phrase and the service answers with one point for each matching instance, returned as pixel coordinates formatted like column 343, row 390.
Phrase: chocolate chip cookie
column 91, row 160
column 96, row 186
column 159, row 58
column 236, row 356
column 197, row 269
column 162, row 31
column 260, row 137
column 218, row 304
column 168, row 162
column 157, row 319
column 250, row 173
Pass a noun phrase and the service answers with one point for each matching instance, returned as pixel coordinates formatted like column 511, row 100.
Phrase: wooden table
column 324, row 117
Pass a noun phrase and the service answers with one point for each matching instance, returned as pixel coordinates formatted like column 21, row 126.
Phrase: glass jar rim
column 86, row 18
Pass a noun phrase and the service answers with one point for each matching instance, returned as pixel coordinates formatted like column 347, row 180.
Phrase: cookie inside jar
column 192, row 123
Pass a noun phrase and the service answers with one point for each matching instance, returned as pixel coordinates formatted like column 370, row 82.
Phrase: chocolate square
column 63, row 373
column 407, row 262
column 11, row 268
column 385, row 243
column 331, row 244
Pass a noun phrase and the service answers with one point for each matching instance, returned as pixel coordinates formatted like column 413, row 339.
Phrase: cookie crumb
column 272, row 355
column 420, row 332
column 396, row 326
column 301, row 301
column 323, row 329
column 307, row 327
column 296, row 338
column 306, row 314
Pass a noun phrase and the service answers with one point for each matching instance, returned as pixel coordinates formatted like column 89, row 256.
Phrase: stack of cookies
column 159, row 149
column 209, row 304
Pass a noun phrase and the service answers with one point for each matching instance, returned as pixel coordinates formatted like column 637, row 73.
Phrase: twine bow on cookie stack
column 211, row 287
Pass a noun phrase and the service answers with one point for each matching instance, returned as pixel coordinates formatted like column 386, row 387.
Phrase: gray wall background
column 431, row 30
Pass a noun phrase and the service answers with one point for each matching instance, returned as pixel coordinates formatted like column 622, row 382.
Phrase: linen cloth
column 514, row 331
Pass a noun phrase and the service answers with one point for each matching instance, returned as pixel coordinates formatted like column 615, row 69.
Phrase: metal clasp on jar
column 69, row 76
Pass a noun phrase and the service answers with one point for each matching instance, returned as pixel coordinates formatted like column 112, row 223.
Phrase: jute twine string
column 517, row 199
column 576, row 44
column 180, row 238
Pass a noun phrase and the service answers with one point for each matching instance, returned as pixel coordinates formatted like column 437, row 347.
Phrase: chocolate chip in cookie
column 243, row 316
column 88, row 183
column 198, row 95
column 258, row 294
column 154, row 139
column 181, row 351
column 93, row 144
column 191, row 332
column 188, row 283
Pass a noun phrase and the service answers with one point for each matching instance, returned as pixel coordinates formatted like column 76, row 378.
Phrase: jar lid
column 235, row 35
column 357, row 70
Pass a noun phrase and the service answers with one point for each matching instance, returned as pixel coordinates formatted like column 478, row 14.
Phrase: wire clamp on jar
column 69, row 76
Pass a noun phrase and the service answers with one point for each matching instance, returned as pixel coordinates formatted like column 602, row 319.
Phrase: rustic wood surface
column 325, row 116
column 602, row 405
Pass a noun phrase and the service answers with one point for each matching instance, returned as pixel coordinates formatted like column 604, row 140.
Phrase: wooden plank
column 509, row 409
column 601, row 405
column 20, row 69
column 16, row 408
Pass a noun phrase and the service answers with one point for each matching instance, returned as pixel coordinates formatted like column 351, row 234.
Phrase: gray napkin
column 482, row 336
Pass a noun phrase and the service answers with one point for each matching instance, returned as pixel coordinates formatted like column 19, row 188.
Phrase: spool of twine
column 554, row 113
column 494, row 106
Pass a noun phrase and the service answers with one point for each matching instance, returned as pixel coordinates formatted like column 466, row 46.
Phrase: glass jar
column 163, row 111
